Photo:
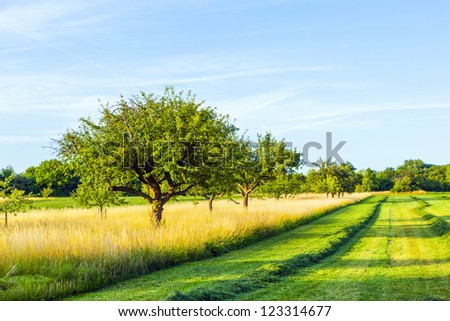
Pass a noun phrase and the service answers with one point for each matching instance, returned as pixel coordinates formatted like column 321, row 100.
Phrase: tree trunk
column 245, row 200
column 100, row 210
column 157, row 209
column 210, row 203
column 6, row 219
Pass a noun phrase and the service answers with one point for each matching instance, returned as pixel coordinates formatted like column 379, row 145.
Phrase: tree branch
column 131, row 191
column 171, row 193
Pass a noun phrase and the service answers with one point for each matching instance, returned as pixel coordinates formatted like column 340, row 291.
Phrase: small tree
column 94, row 193
column 331, row 178
column 218, row 179
column 12, row 200
column 284, row 184
column 257, row 165
column 218, row 184
column 46, row 191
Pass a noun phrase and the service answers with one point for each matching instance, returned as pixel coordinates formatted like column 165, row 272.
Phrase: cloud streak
column 14, row 50
column 46, row 20
column 340, row 113
column 49, row 18
column 229, row 75
column 17, row 139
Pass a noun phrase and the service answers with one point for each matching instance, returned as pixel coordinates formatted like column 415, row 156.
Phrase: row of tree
column 51, row 177
column 160, row 147
column 336, row 179
column 328, row 178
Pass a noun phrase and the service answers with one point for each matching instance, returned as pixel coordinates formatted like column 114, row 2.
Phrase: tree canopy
column 160, row 141
column 259, row 163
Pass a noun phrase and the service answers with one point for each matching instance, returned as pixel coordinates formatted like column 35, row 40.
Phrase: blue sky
column 375, row 73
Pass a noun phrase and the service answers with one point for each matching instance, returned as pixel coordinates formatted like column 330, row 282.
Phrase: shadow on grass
column 377, row 288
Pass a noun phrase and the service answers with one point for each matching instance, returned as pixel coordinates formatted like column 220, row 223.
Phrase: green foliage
column 447, row 174
column 46, row 192
column 6, row 173
column 435, row 179
column 368, row 182
column 263, row 163
column 27, row 183
column 219, row 179
column 331, row 178
column 159, row 141
column 285, row 185
column 95, row 191
column 385, row 179
column 409, row 176
column 412, row 175
column 54, row 175
column 12, row 200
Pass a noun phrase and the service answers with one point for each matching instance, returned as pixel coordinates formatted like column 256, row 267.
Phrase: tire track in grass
column 389, row 238
column 275, row 272
column 238, row 264
column 421, row 254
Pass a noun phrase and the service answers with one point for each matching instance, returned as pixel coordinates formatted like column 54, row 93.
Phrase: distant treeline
column 336, row 179
column 50, row 177
column 56, row 178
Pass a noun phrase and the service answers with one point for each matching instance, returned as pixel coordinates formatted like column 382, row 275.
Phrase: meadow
column 54, row 253
column 387, row 247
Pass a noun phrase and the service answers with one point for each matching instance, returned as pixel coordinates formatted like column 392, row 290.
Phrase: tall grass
column 72, row 250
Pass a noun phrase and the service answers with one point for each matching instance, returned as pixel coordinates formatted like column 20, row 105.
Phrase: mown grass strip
column 274, row 272
column 437, row 224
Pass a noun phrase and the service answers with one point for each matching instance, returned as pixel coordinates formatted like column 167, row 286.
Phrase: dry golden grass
column 73, row 234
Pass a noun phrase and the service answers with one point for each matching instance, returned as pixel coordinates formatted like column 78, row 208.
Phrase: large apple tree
column 150, row 146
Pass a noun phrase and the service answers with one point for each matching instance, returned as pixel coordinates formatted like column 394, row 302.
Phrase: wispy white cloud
column 346, row 116
column 52, row 94
column 228, row 75
column 14, row 50
column 245, row 5
column 249, row 105
column 16, row 139
column 50, row 17
column 43, row 22
column 290, row 110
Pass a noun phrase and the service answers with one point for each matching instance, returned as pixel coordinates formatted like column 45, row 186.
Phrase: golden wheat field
column 61, row 235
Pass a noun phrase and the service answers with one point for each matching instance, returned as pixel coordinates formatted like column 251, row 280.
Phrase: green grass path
column 311, row 241
column 399, row 257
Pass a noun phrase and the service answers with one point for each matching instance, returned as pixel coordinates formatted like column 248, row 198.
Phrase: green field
column 70, row 202
column 384, row 248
